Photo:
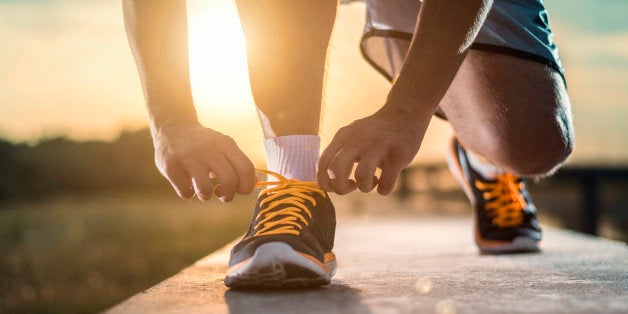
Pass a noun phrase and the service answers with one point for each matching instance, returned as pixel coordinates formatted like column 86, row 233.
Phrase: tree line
column 59, row 165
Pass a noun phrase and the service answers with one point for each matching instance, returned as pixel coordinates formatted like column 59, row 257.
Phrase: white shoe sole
column 278, row 265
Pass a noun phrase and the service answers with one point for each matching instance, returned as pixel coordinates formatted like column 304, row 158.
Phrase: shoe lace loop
column 277, row 218
column 504, row 202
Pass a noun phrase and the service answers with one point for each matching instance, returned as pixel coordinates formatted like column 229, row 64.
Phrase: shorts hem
column 476, row 46
column 385, row 34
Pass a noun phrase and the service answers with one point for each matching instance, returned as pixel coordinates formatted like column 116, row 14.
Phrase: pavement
column 413, row 264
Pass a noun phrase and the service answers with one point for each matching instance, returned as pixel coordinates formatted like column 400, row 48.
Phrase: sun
column 218, row 68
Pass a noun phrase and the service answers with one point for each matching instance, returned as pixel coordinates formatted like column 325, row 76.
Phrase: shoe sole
column 520, row 244
column 278, row 265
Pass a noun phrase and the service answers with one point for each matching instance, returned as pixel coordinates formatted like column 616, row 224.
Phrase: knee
column 537, row 155
column 541, row 161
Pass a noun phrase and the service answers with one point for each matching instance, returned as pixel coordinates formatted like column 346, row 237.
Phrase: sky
column 66, row 69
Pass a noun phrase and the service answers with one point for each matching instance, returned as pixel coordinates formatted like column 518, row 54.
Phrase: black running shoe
column 505, row 216
column 290, row 239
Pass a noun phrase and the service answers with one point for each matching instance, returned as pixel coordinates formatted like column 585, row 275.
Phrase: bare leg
column 287, row 44
column 513, row 111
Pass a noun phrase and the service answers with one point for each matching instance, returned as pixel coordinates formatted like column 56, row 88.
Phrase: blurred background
column 86, row 220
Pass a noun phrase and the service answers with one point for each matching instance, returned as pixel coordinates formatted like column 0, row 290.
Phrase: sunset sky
column 65, row 69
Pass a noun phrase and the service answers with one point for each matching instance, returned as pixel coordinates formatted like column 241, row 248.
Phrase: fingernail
column 331, row 174
column 218, row 191
column 203, row 197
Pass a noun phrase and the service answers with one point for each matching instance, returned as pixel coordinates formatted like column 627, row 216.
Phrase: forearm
column 445, row 31
column 157, row 33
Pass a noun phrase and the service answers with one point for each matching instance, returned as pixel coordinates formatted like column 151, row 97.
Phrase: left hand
column 388, row 139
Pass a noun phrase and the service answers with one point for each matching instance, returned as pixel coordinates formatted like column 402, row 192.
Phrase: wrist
column 410, row 117
column 164, row 125
column 412, row 94
column 408, row 109
column 171, row 113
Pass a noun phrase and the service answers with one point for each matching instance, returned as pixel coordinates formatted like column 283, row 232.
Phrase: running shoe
column 505, row 216
column 289, row 242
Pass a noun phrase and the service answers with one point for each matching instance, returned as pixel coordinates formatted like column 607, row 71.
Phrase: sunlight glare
column 218, row 68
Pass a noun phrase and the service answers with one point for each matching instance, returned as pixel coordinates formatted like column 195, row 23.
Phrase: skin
column 287, row 44
column 498, row 105
column 195, row 159
column 390, row 138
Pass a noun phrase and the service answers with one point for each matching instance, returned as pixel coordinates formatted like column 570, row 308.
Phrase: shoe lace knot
column 283, row 207
column 504, row 202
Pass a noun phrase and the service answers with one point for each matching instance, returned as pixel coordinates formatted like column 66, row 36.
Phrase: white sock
column 293, row 156
column 484, row 168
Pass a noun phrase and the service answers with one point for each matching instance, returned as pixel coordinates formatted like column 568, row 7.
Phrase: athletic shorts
column 515, row 27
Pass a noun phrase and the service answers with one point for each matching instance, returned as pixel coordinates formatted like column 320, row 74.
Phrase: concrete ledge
column 416, row 265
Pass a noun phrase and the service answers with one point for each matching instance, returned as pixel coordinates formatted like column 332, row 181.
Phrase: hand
column 193, row 158
column 388, row 140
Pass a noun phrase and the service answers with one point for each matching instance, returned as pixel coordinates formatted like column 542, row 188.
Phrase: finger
column 244, row 170
column 178, row 177
column 390, row 173
column 365, row 172
column 327, row 156
column 340, row 168
column 202, row 184
column 342, row 187
column 227, row 178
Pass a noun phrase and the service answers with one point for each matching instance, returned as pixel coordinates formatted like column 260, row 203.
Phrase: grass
column 86, row 253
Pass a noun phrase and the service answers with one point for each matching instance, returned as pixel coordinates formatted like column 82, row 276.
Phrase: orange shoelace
column 504, row 202
column 293, row 193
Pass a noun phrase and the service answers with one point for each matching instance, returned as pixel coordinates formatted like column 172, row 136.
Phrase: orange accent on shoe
column 504, row 202
column 314, row 260
column 238, row 265
column 329, row 257
column 296, row 192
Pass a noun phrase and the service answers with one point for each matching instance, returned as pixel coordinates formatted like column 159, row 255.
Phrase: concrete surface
column 418, row 265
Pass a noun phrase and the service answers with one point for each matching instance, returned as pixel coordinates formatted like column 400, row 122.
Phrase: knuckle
column 169, row 166
column 228, row 140
column 337, row 168
column 160, row 163
column 341, row 133
column 222, row 140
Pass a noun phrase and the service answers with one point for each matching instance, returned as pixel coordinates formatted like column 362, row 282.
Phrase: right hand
column 200, row 161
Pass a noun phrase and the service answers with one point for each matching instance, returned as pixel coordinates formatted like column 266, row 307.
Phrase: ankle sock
column 293, row 156
column 483, row 166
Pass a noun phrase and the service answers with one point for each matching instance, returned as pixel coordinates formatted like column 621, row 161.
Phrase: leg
column 514, row 112
column 286, row 48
